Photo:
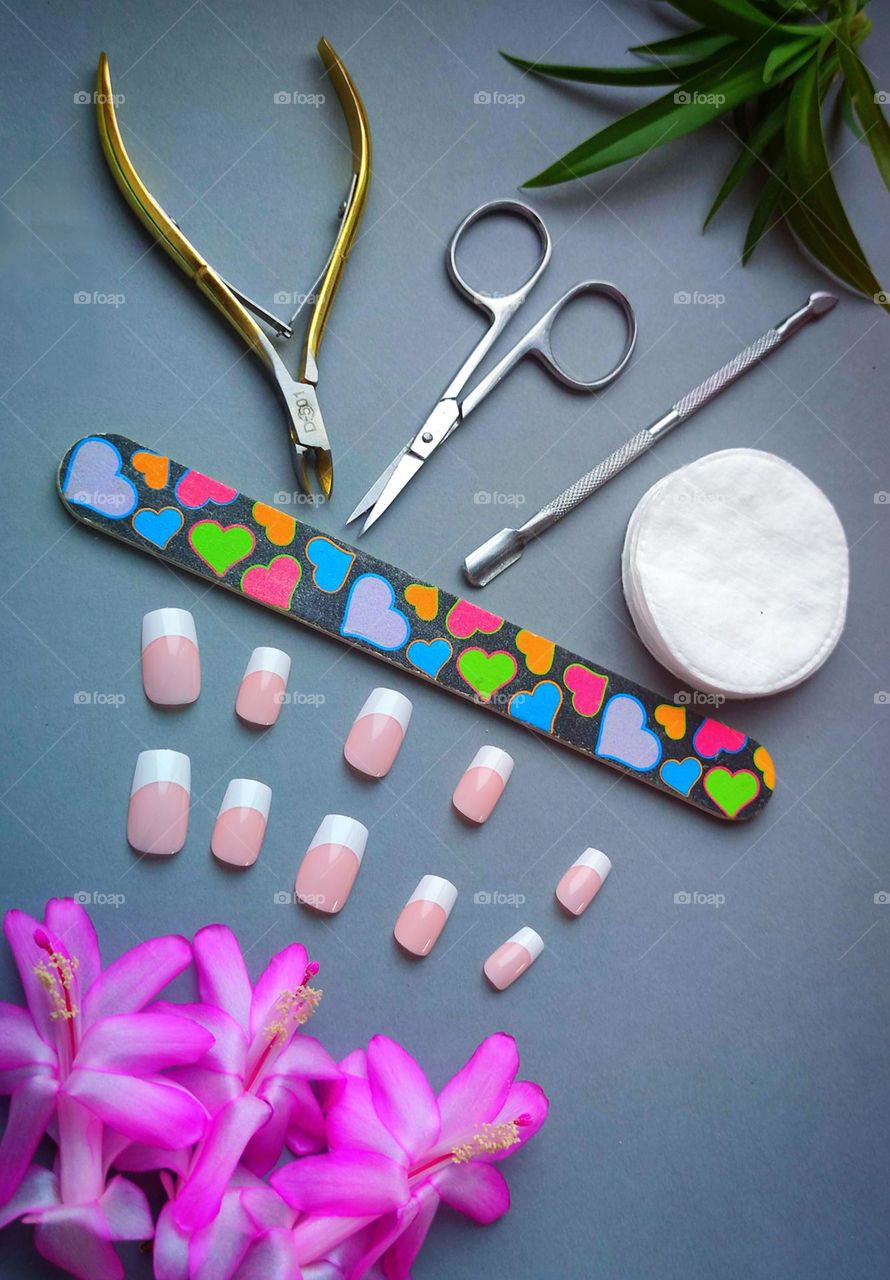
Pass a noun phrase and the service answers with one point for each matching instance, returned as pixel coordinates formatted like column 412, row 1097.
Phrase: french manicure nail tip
column 424, row 915
column 263, row 686
column 171, row 666
column 241, row 822
column 158, row 814
column 378, row 732
column 330, row 865
column 583, row 881
column 513, row 957
column 482, row 785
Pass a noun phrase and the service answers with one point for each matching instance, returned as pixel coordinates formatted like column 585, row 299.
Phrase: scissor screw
column 427, row 437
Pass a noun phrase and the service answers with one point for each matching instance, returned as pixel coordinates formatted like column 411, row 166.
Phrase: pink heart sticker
column 712, row 737
column 194, row 489
column 587, row 688
column 465, row 619
column 273, row 583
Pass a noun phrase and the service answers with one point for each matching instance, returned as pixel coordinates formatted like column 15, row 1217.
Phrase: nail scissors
column 451, row 411
column 308, row 438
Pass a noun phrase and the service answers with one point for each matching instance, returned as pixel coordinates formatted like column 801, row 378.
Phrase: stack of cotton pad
column 735, row 572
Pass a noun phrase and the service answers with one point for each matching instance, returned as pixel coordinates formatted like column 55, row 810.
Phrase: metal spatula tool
column 505, row 548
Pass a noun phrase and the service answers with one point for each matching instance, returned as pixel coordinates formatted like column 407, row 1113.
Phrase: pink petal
column 20, row 929
column 20, row 1044
column 353, row 1123
column 284, row 972
column 76, row 1239
column 30, row 1108
column 265, row 1208
column 142, row 1043
column 74, row 928
column 38, row 1190
column 170, row 1252
column 478, row 1190
column 229, row 1051
column 213, row 1089
column 222, row 975
column 136, row 1157
column 307, row 1133
column 216, row 1250
column 529, row 1101
column 126, row 1211
column 477, row 1093
column 155, row 1112
column 265, row 1147
column 355, row 1063
column 307, row 1057
column 342, row 1184
column 402, row 1096
column 272, row 1257
column 199, row 1199
column 136, row 977
column 407, row 1245
column 373, row 1244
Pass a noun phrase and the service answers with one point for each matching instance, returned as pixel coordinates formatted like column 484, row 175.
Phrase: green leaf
column 862, row 93
column 845, row 105
column 813, row 207
column 605, row 75
column 796, row 51
column 695, row 44
column 702, row 98
column 767, row 128
column 741, row 18
column 766, row 212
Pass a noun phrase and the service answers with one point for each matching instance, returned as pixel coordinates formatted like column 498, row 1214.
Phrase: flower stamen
column 57, row 977
column 292, row 1010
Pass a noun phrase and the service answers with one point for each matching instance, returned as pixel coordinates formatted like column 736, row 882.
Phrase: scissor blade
column 377, row 487
column 405, row 470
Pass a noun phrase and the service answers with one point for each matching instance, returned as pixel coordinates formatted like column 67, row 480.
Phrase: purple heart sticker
column 371, row 616
column 94, row 480
column 623, row 734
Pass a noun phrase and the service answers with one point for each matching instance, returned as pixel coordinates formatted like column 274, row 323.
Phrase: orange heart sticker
column 764, row 762
column 423, row 600
column 537, row 651
column 280, row 527
column 671, row 719
column 153, row 466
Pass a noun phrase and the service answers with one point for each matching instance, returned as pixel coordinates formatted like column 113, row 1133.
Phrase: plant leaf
column 700, row 43
column 741, row 18
column 767, row 128
column 845, row 104
column 703, row 97
column 812, row 206
column 797, row 51
column 864, row 98
column 606, row 75
column 762, row 219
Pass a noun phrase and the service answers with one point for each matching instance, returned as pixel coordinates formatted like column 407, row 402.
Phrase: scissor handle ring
column 540, row 337
column 491, row 303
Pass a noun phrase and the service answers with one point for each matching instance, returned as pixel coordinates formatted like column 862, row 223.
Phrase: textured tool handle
column 601, row 474
column 705, row 392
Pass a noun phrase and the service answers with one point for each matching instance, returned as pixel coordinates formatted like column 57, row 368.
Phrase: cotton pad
column 736, row 571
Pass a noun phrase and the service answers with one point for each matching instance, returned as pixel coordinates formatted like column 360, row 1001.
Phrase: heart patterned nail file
column 208, row 528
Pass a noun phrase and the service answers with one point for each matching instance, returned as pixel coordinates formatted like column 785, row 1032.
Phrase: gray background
column 718, row 1077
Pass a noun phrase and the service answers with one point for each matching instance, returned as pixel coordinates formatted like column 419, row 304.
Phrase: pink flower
column 82, row 1051
column 397, row 1151
column 254, row 1079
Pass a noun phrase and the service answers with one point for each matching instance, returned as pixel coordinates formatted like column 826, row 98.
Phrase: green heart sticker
column 731, row 791
column 485, row 673
column 220, row 547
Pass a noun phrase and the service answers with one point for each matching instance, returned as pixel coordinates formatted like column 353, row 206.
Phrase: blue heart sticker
column 332, row 564
column 681, row 775
column 537, row 707
column 158, row 527
column 429, row 656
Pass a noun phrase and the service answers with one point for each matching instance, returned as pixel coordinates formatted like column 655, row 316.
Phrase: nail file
column 196, row 523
